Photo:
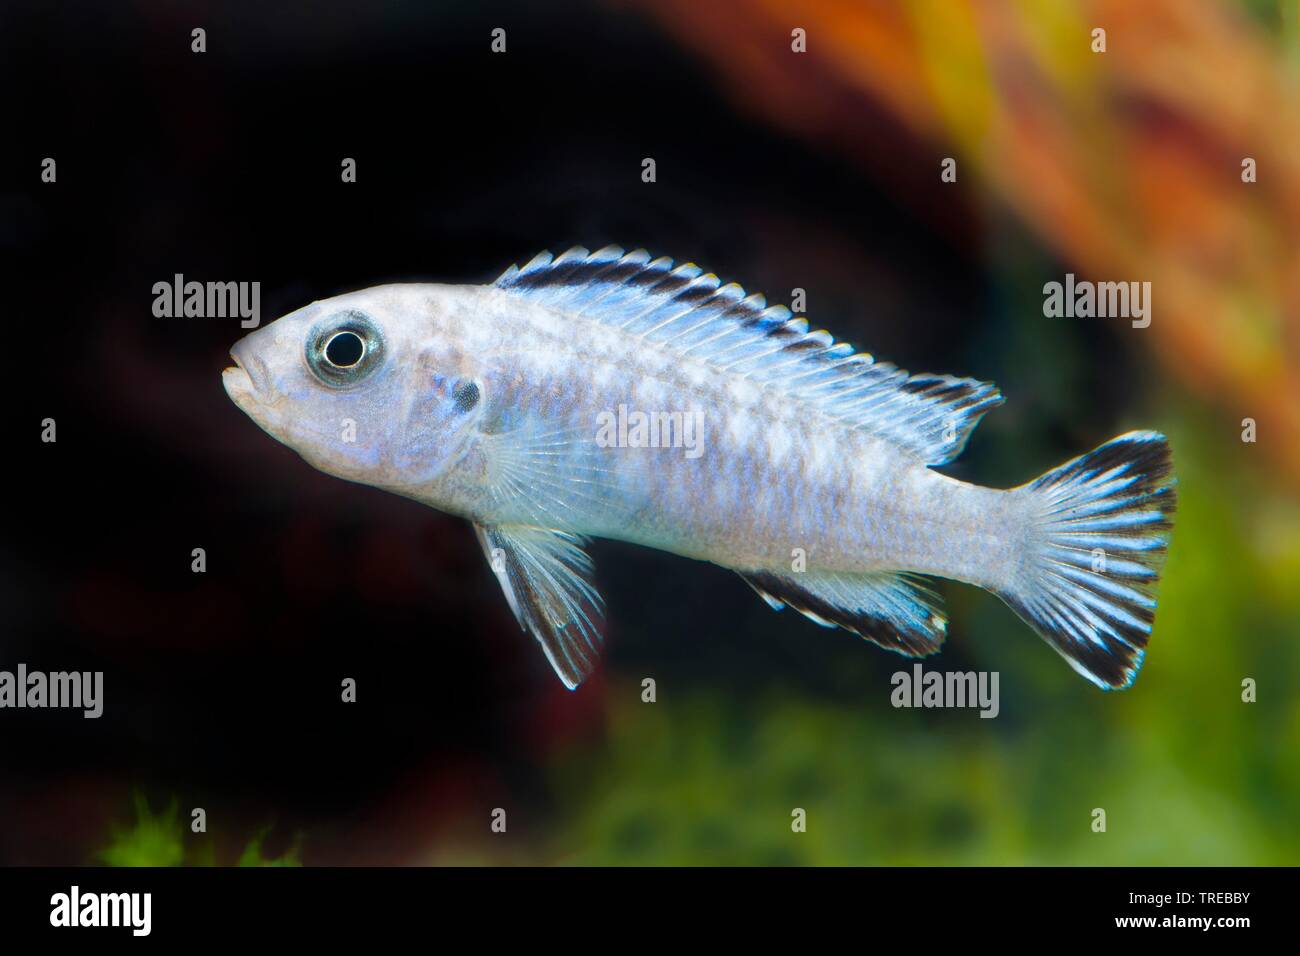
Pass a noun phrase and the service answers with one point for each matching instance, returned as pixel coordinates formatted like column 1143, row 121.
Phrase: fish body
column 613, row 395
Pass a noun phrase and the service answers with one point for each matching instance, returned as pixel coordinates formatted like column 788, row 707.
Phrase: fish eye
column 344, row 349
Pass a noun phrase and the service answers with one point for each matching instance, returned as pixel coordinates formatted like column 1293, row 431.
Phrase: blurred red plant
column 1128, row 163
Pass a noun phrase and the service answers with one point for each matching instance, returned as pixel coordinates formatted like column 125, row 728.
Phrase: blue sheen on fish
column 613, row 395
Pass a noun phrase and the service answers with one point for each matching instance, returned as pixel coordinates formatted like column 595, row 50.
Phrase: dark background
column 222, row 689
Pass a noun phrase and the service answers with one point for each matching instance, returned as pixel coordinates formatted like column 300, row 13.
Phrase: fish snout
column 249, row 383
column 250, row 372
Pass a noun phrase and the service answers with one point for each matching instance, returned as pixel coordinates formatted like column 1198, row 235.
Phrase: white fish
column 611, row 395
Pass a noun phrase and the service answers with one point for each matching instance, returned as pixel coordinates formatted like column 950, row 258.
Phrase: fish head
column 364, row 386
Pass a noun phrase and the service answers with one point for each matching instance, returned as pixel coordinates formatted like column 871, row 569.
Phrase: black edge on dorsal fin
column 694, row 314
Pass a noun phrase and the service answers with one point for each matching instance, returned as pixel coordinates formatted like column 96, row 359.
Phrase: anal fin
column 892, row 609
column 546, row 577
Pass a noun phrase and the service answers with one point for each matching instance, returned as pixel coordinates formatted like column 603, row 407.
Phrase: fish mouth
column 240, row 385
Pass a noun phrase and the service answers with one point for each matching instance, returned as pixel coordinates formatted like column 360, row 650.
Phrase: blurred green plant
column 156, row 839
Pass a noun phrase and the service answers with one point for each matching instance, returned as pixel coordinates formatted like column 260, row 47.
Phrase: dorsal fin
column 691, row 312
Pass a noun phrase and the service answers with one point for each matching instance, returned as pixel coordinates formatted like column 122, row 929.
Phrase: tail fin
column 1097, row 543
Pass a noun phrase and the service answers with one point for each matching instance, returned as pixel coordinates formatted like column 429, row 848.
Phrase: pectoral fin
column 546, row 576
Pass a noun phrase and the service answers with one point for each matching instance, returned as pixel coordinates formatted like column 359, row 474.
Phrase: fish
column 614, row 395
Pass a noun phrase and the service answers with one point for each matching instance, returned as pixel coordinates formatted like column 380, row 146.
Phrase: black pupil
column 345, row 349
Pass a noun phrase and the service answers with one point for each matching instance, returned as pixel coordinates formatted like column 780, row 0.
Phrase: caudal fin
column 1099, row 528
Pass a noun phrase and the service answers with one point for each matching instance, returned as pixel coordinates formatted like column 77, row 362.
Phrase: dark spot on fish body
column 466, row 396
